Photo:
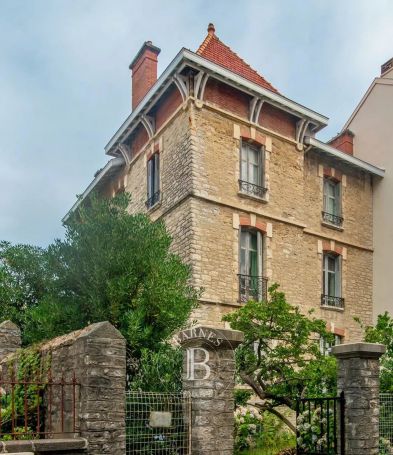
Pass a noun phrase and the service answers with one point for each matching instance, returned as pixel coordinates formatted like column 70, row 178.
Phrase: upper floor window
column 331, row 292
column 252, row 170
column 252, row 284
column 332, row 202
column 153, row 180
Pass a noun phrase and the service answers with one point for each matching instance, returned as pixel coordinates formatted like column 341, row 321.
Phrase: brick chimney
column 386, row 66
column 343, row 142
column 144, row 71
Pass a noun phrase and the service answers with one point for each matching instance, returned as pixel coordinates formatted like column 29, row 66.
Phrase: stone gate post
column 209, row 376
column 358, row 377
column 10, row 338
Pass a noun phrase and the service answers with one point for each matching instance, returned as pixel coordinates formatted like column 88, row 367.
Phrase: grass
column 265, row 451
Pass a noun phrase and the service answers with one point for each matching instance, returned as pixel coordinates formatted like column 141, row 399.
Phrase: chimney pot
column 211, row 29
column 144, row 71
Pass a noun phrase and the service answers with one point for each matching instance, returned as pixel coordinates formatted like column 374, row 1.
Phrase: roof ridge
column 204, row 44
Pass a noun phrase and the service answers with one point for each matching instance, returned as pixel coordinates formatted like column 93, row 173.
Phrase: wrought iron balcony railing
column 252, row 288
column 332, row 219
column 332, row 301
column 153, row 199
column 250, row 188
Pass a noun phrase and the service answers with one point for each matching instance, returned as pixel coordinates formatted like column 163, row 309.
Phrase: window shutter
column 338, row 276
column 156, row 173
column 149, row 179
column 260, row 253
column 338, row 199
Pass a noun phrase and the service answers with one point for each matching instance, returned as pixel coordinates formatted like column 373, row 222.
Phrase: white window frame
column 153, row 175
column 326, row 347
column 337, row 272
column 336, row 185
column 245, row 147
column 248, row 232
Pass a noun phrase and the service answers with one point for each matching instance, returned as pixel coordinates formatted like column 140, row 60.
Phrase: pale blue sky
column 65, row 83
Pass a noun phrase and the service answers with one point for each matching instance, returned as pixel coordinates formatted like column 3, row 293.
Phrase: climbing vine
column 22, row 390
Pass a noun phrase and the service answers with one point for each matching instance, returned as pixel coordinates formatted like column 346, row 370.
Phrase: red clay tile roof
column 215, row 50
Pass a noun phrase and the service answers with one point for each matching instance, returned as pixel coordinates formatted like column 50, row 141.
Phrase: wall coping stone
column 43, row 445
column 358, row 350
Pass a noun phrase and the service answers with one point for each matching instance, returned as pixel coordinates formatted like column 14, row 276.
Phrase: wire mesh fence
column 158, row 423
column 386, row 424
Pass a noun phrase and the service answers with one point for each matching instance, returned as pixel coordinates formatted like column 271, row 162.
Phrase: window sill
column 264, row 199
column 154, row 207
column 332, row 308
column 332, row 226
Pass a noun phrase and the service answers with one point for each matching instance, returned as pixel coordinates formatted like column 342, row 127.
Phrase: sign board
column 160, row 419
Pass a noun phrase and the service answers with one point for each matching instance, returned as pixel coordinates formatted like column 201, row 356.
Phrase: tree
column 280, row 358
column 382, row 332
column 23, row 280
column 111, row 266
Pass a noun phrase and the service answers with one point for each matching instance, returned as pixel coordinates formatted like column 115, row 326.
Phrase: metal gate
column 158, row 423
column 320, row 426
column 386, row 423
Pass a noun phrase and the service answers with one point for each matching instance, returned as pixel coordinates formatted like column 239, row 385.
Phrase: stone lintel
column 358, row 350
column 205, row 335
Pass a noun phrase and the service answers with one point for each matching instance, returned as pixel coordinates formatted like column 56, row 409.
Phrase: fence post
column 10, row 339
column 358, row 378
column 209, row 376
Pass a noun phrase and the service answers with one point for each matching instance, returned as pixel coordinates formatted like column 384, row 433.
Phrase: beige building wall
column 372, row 125
column 203, row 210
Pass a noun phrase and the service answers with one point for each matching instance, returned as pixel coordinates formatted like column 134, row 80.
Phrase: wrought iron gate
column 320, row 426
column 158, row 423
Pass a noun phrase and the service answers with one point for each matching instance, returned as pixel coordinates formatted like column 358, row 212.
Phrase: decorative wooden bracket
column 125, row 151
column 200, row 84
column 255, row 109
column 182, row 84
column 301, row 128
column 149, row 123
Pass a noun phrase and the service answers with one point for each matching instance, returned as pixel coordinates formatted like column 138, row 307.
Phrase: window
column 331, row 295
column 251, row 170
column 332, row 202
column 252, row 284
column 326, row 345
column 153, row 180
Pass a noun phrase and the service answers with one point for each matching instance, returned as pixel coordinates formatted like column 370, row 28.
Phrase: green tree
column 382, row 332
column 112, row 266
column 280, row 358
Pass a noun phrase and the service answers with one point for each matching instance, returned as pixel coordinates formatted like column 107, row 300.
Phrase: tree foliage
column 280, row 358
column 112, row 266
column 382, row 332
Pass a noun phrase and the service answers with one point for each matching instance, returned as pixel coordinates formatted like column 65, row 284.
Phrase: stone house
column 370, row 128
column 248, row 193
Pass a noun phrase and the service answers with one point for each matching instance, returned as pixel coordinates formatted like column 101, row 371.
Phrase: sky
column 65, row 82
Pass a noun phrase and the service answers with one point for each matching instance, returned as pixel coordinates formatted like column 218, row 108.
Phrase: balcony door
column 250, row 266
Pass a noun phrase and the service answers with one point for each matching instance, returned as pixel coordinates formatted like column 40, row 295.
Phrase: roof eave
column 344, row 157
column 111, row 165
column 185, row 56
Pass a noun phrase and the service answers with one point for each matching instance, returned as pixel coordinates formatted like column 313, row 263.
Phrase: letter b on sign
column 197, row 364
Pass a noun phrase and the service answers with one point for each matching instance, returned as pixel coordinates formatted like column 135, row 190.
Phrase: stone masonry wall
column 201, row 205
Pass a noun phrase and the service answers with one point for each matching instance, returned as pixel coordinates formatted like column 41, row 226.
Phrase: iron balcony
column 331, row 301
column 252, row 189
column 252, row 288
column 332, row 219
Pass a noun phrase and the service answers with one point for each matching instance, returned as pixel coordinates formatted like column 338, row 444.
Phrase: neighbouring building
column 370, row 132
column 248, row 193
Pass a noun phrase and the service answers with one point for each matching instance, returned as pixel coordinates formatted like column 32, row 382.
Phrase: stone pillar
column 209, row 376
column 358, row 377
column 97, row 356
column 10, row 339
